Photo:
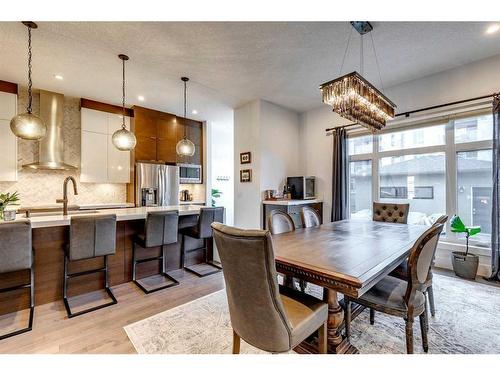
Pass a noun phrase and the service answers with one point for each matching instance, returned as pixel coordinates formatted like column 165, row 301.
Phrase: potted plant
column 215, row 194
column 464, row 264
column 8, row 199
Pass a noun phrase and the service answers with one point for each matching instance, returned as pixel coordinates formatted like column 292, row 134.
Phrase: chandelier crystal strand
column 123, row 139
column 27, row 125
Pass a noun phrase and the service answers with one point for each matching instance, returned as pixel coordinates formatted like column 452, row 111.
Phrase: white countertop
column 122, row 214
column 183, row 203
column 292, row 202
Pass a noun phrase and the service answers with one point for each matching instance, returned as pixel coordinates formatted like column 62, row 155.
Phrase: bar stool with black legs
column 202, row 231
column 16, row 254
column 161, row 228
column 89, row 237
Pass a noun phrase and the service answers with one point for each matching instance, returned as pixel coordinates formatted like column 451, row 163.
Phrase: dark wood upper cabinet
column 194, row 132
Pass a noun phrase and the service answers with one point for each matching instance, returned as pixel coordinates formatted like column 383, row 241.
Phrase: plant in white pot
column 6, row 200
column 464, row 264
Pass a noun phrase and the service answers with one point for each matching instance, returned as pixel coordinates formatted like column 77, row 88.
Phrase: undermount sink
column 59, row 213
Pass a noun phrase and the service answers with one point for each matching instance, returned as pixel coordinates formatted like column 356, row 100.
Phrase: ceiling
column 231, row 63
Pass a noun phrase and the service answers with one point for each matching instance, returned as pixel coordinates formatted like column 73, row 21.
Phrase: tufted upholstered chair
column 391, row 212
column 16, row 254
column 270, row 317
column 310, row 217
column 404, row 298
column 90, row 236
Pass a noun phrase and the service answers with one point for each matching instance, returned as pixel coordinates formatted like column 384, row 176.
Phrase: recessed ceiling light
column 140, row 98
column 492, row 29
column 59, row 77
column 194, row 112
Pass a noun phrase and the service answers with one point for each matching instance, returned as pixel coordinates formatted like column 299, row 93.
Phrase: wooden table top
column 351, row 254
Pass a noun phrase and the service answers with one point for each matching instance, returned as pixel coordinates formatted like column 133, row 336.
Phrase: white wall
column 271, row 133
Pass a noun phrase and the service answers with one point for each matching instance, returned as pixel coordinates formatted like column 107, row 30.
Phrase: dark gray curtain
column 495, row 212
column 339, row 175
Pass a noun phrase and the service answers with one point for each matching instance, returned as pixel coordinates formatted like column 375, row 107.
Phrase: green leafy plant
column 457, row 226
column 216, row 193
column 6, row 199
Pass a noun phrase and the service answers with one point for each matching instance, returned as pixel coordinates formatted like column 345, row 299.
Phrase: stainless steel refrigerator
column 156, row 184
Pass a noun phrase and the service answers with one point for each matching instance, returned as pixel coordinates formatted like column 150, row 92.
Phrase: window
column 479, row 128
column 360, row 188
column 437, row 169
column 422, row 137
column 474, row 190
column 360, row 145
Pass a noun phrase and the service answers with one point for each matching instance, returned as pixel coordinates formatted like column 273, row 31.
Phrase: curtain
column 495, row 212
column 339, row 175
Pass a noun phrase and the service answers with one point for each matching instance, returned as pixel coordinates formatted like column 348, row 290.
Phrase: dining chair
column 310, row 217
column 391, row 212
column 280, row 222
column 266, row 315
column 402, row 298
column 401, row 272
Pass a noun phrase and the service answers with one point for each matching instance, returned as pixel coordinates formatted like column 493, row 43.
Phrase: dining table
column 347, row 257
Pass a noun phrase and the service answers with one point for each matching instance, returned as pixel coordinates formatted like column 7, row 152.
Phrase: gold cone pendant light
column 356, row 99
column 27, row 125
column 185, row 147
column 123, row 139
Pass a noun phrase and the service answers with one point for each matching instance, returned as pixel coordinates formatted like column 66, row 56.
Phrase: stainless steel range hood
column 51, row 147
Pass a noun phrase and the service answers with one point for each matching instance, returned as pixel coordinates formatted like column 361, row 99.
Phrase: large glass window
column 360, row 188
column 412, row 138
column 474, row 189
column 418, row 180
column 479, row 128
column 360, row 145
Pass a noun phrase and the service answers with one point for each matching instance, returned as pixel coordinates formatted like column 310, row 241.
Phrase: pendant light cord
column 361, row 55
column 123, row 94
column 345, row 52
column 378, row 66
column 185, row 108
column 30, row 83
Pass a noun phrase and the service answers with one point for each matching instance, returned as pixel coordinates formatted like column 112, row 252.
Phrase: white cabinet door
column 8, row 152
column 94, row 121
column 8, row 105
column 94, row 167
column 115, row 122
column 118, row 164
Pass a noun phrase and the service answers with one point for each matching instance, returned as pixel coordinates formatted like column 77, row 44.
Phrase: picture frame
column 245, row 157
column 245, row 175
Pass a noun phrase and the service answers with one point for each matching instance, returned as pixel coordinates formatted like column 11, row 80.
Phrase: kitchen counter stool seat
column 16, row 254
column 202, row 231
column 160, row 229
column 89, row 237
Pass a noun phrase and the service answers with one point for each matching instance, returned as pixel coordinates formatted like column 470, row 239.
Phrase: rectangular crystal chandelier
column 356, row 99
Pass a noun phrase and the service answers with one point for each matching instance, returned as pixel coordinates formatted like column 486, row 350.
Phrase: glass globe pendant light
column 27, row 125
column 123, row 139
column 185, row 147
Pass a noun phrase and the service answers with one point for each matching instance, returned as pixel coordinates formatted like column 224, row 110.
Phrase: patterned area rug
column 467, row 321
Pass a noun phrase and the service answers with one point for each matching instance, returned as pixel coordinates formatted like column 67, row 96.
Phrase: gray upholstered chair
column 404, row 298
column 90, row 236
column 280, row 222
column 16, row 254
column 401, row 272
column 160, row 229
column 270, row 317
column 202, row 231
column 391, row 212
column 310, row 217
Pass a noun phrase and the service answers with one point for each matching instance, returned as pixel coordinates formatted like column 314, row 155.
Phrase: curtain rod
column 408, row 113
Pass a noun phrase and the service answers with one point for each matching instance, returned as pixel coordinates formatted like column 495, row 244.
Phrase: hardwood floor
column 101, row 331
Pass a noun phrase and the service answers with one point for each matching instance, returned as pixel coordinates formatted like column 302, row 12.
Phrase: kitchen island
column 51, row 232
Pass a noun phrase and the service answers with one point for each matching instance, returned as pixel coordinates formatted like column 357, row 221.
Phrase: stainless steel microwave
column 302, row 187
column 190, row 174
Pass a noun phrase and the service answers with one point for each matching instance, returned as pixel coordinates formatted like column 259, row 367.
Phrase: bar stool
column 161, row 228
column 202, row 231
column 89, row 237
column 16, row 254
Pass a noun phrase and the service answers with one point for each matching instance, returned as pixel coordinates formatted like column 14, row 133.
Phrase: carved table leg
column 337, row 343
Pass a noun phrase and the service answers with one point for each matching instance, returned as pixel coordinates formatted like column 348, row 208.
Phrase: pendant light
column 27, row 125
column 185, row 147
column 123, row 139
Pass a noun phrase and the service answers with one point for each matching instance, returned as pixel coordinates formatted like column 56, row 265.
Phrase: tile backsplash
column 43, row 187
